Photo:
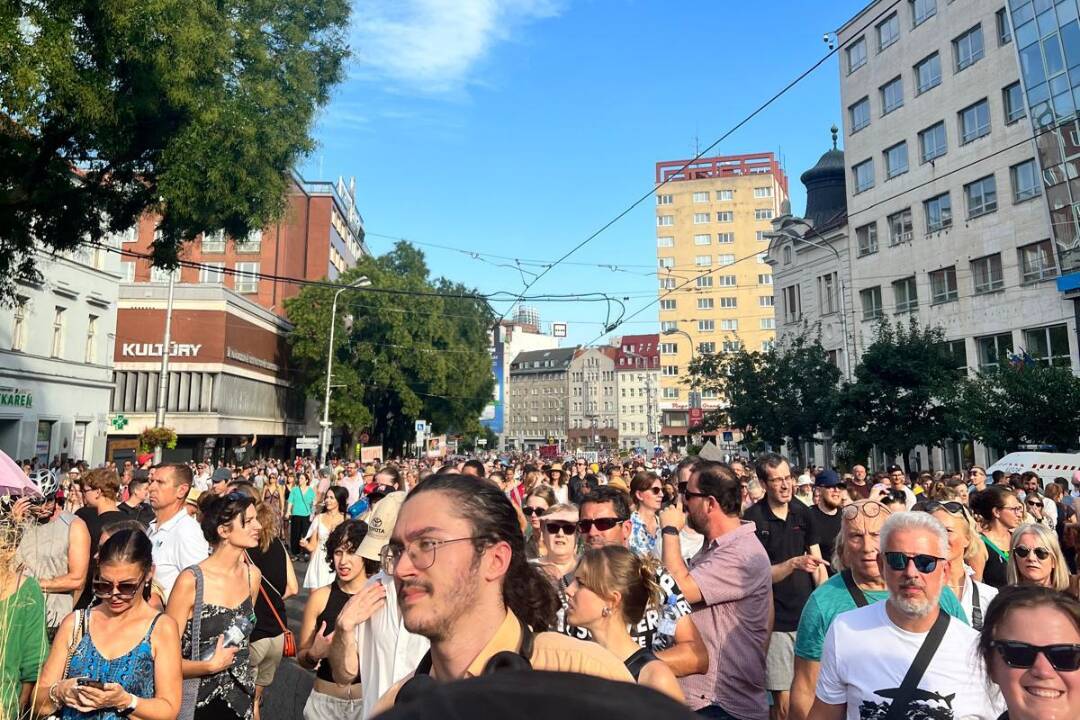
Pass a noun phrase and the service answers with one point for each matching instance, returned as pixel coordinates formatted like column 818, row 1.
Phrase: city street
column 286, row 697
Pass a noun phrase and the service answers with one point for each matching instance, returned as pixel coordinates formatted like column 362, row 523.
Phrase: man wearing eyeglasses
column 868, row 652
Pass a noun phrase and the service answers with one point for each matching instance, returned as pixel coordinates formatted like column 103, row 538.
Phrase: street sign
column 558, row 329
column 364, row 437
column 696, row 416
column 481, row 442
column 421, row 427
column 307, row 443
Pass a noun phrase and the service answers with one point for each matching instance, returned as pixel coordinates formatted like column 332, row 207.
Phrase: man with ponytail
column 457, row 555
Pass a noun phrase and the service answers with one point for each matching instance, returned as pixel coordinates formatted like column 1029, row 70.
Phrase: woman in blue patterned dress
column 126, row 648
column 647, row 494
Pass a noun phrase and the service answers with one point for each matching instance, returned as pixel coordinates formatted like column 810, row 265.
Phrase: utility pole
column 163, row 379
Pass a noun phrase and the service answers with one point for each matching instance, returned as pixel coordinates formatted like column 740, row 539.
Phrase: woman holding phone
column 125, row 655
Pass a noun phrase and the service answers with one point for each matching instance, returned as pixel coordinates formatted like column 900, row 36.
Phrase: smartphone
column 87, row 682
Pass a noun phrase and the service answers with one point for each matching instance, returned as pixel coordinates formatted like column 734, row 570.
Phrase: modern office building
column 715, row 288
column 943, row 196
column 637, row 375
column 537, row 398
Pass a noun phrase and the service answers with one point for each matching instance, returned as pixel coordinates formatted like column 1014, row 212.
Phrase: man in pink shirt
column 351, row 481
column 729, row 585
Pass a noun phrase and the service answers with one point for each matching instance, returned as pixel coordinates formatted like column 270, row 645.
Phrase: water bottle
column 664, row 637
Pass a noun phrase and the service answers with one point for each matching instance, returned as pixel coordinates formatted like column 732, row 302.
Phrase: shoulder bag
column 190, row 694
column 910, row 683
column 289, row 640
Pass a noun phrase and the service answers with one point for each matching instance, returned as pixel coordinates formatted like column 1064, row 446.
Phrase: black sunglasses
column 1022, row 551
column 554, row 527
column 951, row 506
column 124, row 590
column 529, row 511
column 1063, row 657
column 898, row 561
column 602, row 524
column 691, row 494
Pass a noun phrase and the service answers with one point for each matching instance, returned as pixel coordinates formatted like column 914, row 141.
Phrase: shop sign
column 154, row 350
column 12, row 397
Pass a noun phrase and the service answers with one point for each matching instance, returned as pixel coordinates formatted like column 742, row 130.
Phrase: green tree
column 399, row 356
column 903, row 395
column 190, row 109
column 1012, row 406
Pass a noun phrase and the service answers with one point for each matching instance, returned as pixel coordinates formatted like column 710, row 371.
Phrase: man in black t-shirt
column 101, row 489
column 825, row 513
column 136, row 506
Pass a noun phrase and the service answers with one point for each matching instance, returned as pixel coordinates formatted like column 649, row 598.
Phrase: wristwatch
column 669, row 530
column 125, row 711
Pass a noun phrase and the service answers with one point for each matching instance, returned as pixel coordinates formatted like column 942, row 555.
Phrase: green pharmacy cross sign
column 119, row 422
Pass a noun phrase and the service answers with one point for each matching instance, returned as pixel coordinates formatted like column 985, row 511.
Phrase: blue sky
column 519, row 127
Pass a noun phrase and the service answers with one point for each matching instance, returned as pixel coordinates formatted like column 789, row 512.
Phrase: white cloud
column 434, row 46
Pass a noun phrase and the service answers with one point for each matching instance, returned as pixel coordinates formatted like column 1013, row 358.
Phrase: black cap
column 894, row 468
column 221, row 474
column 827, row 478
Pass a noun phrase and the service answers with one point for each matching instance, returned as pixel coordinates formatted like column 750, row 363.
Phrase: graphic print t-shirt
column 866, row 657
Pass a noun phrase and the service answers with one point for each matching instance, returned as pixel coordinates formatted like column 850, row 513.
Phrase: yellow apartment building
column 715, row 289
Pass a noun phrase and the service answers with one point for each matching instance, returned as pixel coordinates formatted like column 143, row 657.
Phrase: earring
column 606, row 611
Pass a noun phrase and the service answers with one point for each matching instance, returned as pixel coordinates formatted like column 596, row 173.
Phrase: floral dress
column 642, row 541
column 234, row 687
column 134, row 670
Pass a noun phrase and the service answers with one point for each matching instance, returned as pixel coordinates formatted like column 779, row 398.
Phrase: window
column 986, row 274
column 668, row 348
column 730, row 346
column 664, row 199
column 957, row 351
column 670, row 370
column 728, row 281
column 666, row 261
column 1048, row 345
column 705, row 281
column 246, row 279
column 1025, row 181
column 1004, row 32
column 725, row 238
column 792, row 304
column 19, row 323
column 892, row 95
column 938, row 212
column 213, row 242
column 866, row 235
column 666, row 325
column 212, row 273
column 927, row 73
column 763, row 214
column 787, row 254
column 896, row 162
column 706, row 347
column 856, row 55
column 705, row 303
column 763, row 258
column 871, row 302
column 981, row 196
column 725, row 216
column 921, row 11
column 968, row 48
column 900, row 227
column 888, row 31
column 766, row 300
column 1013, row 97
column 974, row 121
column 859, row 114
column 932, row 142
column 725, row 259
column 701, row 197
column 725, row 194
column 160, row 275
column 763, row 192
column 665, row 220
column 58, row 333
column 703, row 260
column 671, row 393
column 667, row 304
column 760, row 236
column 91, row 339
column 729, row 324
column 863, row 174
column 767, row 323
column 905, row 295
column 827, row 293
column 702, row 239
column 728, row 302
column 993, row 349
column 764, row 279
column 667, row 283
column 666, row 241
column 129, row 271
column 1037, row 262
column 701, row 218
column 706, row 325
column 252, row 244
column 943, row 285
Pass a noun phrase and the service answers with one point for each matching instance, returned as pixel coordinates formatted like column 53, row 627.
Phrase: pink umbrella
column 13, row 480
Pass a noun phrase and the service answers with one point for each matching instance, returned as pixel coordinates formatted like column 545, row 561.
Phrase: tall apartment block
column 715, row 288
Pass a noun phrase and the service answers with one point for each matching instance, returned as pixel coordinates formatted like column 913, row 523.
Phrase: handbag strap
column 976, row 607
column 266, row 597
column 76, row 637
column 854, row 590
column 930, row 644
column 196, row 612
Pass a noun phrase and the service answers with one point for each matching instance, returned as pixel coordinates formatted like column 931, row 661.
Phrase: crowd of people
column 744, row 590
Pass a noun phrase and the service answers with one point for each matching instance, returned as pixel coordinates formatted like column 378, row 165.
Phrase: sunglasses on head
column 952, row 507
column 602, row 524
column 1022, row 551
column 1063, row 657
column 124, row 590
column 898, row 561
column 554, row 527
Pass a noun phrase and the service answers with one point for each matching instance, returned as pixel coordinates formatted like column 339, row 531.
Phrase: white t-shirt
column 866, row 655
column 986, row 594
column 178, row 544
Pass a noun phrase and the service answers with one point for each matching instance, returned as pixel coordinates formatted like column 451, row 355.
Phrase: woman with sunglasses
column 1001, row 512
column 128, row 651
column 964, row 544
column 230, row 585
column 537, row 502
column 612, row 588
column 558, row 535
column 647, row 494
column 1030, row 644
column 1035, row 558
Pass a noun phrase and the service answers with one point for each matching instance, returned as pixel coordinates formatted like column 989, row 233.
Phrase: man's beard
column 913, row 607
column 448, row 606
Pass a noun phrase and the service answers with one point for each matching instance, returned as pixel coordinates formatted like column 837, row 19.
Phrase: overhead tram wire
column 645, row 196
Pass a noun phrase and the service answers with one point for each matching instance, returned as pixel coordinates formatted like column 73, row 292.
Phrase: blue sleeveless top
column 134, row 670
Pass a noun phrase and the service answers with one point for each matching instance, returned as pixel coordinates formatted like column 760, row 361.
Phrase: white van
column 1047, row 465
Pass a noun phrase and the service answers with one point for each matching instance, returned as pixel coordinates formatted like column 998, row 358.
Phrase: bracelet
column 52, row 695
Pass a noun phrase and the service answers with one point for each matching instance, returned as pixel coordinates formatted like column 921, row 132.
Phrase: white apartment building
column 946, row 218
column 593, row 399
column 637, row 375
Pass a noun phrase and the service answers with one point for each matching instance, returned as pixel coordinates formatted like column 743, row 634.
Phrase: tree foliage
column 191, row 109
column 1022, row 405
column 788, row 391
column 903, row 394
column 399, row 357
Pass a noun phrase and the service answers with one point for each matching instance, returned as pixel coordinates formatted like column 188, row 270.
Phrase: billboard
column 492, row 417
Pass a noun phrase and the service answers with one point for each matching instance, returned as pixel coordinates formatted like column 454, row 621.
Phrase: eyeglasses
column 602, row 524
column 898, row 561
column 691, row 494
column 421, row 552
column 1018, row 509
column 656, row 490
column 529, row 511
column 1022, row 551
column 870, row 508
column 554, row 527
column 1063, row 657
column 124, row 590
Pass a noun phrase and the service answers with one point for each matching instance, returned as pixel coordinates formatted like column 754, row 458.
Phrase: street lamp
column 826, row 245
column 360, row 282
